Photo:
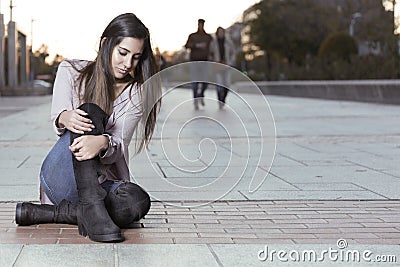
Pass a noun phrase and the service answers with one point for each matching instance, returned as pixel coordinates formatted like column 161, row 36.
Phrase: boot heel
column 115, row 237
column 82, row 230
column 18, row 213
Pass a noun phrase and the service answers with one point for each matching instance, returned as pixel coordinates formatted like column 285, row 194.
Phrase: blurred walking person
column 223, row 51
column 199, row 45
column 161, row 62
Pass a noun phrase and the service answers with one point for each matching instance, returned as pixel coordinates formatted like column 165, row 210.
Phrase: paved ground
column 333, row 179
column 11, row 105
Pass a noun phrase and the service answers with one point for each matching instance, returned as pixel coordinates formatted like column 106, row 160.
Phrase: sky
column 72, row 28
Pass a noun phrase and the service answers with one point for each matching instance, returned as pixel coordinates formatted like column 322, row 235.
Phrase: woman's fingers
column 75, row 121
column 81, row 112
column 86, row 146
column 81, row 120
column 76, row 141
column 80, row 115
column 79, row 124
column 74, row 130
column 76, row 145
column 79, row 156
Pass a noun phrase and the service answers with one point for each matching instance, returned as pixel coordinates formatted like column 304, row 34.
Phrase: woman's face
column 125, row 56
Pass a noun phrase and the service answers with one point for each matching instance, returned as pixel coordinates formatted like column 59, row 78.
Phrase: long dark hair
column 98, row 80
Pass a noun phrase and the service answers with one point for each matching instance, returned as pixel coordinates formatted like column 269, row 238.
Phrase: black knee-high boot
column 28, row 213
column 127, row 204
column 92, row 216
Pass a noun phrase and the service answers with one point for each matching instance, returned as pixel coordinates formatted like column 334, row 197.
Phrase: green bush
column 357, row 67
column 338, row 46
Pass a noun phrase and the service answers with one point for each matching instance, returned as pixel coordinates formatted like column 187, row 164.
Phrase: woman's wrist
column 106, row 141
column 106, row 145
column 59, row 121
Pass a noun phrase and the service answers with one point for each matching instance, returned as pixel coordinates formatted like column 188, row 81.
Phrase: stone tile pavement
column 215, row 234
column 236, row 222
column 332, row 181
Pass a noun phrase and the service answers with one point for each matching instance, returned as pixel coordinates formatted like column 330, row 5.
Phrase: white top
column 120, row 127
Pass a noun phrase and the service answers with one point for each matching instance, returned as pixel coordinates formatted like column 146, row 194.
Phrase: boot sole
column 114, row 237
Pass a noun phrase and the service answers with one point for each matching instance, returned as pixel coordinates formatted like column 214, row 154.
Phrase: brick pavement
column 236, row 222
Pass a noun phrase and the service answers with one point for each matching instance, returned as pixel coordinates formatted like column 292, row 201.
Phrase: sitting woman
column 97, row 106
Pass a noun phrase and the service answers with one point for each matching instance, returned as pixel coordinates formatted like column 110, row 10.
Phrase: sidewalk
column 335, row 176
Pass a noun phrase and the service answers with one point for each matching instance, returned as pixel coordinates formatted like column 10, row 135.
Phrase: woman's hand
column 75, row 121
column 88, row 146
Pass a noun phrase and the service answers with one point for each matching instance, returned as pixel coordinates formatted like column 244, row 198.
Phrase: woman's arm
column 62, row 95
column 120, row 135
column 63, row 114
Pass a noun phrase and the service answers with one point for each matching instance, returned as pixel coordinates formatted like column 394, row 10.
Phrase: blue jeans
column 222, row 93
column 198, row 89
column 57, row 177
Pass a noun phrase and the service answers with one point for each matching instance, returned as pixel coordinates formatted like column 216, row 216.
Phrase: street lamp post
column 2, row 61
column 396, row 39
column 11, row 8
column 354, row 18
column 32, row 21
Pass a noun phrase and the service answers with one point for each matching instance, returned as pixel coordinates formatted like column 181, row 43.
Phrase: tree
column 39, row 66
column 290, row 33
column 293, row 29
column 38, row 61
column 338, row 46
column 375, row 23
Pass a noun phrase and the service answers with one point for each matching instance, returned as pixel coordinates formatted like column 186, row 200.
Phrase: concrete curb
column 375, row 91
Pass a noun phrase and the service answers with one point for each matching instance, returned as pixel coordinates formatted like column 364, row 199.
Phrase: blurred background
column 275, row 40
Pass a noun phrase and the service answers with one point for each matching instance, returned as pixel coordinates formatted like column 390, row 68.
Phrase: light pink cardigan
column 120, row 127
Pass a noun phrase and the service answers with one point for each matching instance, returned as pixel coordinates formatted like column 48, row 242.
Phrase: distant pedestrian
column 96, row 108
column 160, row 59
column 223, row 51
column 199, row 45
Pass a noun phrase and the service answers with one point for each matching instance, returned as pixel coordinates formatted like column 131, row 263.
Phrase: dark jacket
column 199, row 45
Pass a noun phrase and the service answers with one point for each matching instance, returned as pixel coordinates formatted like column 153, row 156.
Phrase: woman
column 96, row 108
column 223, row 51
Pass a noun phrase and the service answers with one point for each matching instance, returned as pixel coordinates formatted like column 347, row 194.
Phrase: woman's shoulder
column 132, row 91
column 74, row 63
column 71, row 67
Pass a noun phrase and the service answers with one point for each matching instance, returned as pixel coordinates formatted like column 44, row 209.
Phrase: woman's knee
column 90, row 107
column 127, row 204
column 98, row 117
